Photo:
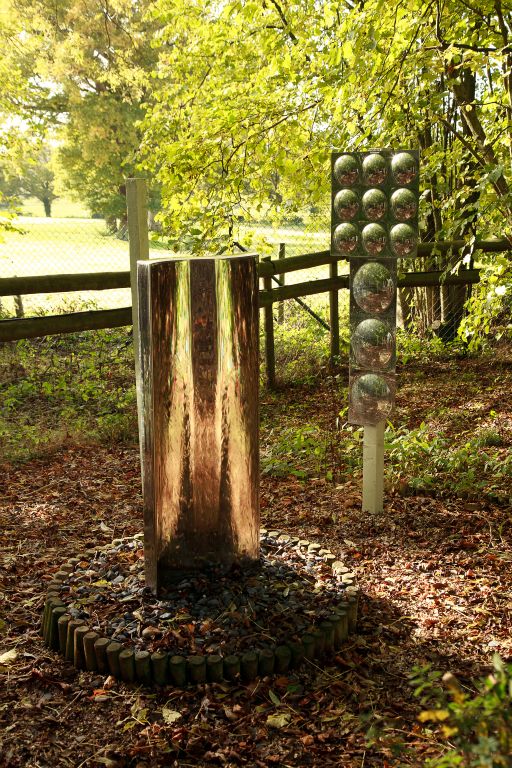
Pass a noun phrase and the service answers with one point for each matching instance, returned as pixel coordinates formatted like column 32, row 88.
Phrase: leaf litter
column 435, row 575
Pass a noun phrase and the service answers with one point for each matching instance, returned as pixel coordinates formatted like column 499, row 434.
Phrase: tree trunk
column 47, row 202
column 111, row 224
column 18, row 306
column 405, row 308
column 453, row 297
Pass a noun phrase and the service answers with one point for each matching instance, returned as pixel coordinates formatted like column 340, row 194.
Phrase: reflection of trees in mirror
column 403, row 204
column 374, row 204
column 346, row 204
column 372, row 343
column 373, row 287
column 403, row 168
column 374, row 239
column 375, row 170
column 371, row 398
column 346, row 238
column 346, row 170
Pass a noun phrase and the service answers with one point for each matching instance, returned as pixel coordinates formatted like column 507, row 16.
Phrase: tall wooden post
column 334, row 316
column 270, row 355
column 282, row 281
column 137, row 210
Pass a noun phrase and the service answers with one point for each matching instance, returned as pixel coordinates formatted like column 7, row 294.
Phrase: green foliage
column 426, row 461
column 489, row 306
column 299, row 451
column 79, row 386
column 410, row 346
column 265, row 90
column 476, row 726
column 30, row 176
column 301, row 343
column 80, row 71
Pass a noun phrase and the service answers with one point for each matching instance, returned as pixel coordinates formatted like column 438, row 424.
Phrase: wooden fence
column 269, row 270
column 24, row 328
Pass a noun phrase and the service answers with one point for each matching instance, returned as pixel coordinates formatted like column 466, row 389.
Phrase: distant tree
column 83, row 66
column 31, row 175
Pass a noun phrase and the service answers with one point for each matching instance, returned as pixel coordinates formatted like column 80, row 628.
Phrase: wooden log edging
column 87, row 650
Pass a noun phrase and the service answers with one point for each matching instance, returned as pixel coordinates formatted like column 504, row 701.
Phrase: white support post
column 373, row 468
column 137, row 210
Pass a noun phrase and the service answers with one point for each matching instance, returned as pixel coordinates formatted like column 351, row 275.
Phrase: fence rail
column 24, row 328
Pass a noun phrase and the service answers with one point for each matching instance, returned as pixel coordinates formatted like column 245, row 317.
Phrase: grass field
column 62, row 208
column 76, row 244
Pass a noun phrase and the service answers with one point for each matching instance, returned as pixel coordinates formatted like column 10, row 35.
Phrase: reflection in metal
column 371, row 398
column 403, row 239
column 199, row 372
column 346, row 204
column 404, row 204
column 345, row 238
column 375, row 170
column 374, row 239
column 373, row 287
column 346, row 170
column 404, row 168
column 372, row 343
column 375, row 204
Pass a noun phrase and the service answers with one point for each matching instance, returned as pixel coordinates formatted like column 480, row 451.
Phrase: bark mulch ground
column 435, row 574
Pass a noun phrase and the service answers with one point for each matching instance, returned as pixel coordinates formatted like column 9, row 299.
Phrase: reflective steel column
column 199, row 375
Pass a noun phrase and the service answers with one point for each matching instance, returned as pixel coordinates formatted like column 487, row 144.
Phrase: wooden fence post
column 282, row 281
column 334, row 316
column 137, row 210
column 270, row 355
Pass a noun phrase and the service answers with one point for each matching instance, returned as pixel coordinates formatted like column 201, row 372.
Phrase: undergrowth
column 475, row 726
column 77, row 386
column 81, row 387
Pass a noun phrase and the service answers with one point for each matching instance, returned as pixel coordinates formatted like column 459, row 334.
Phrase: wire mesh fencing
column 58, row 245
column 68, row 243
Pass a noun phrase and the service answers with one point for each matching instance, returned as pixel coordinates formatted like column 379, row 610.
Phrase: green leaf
column 274, row 698
column 170, row 716
column 280, row 720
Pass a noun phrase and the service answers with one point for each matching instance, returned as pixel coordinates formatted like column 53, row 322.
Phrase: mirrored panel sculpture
column 374, row 191
column 374, row 221
column 199, row 377
column 371, row 398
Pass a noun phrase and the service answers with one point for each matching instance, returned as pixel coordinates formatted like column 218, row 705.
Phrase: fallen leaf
column 170, row 716
column 104, row 528
column 278, row 721
column 7, row 658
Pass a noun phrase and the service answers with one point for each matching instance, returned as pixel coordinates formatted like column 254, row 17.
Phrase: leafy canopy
column 250, row 96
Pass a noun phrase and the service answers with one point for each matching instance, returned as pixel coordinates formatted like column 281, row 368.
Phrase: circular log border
column 87, row 650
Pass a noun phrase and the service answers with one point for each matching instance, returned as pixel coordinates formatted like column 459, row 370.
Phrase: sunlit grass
column 54, row 245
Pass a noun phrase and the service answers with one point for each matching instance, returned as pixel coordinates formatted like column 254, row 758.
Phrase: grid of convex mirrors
column 374, row 221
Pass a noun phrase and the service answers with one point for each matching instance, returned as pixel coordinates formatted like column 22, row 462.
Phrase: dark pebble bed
column 290, row 590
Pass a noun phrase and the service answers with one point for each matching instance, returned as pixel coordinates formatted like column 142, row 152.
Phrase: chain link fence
column 71, row 242
column 68, row 242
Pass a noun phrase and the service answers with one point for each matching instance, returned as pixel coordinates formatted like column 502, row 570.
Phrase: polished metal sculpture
column 199, row 356
column 374, row 221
